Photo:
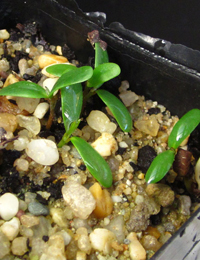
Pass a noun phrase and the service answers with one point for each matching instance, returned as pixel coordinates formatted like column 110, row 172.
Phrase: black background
column 175, row 21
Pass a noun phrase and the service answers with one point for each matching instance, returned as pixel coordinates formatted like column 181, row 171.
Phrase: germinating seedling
column 163, row 162
column 72, row 99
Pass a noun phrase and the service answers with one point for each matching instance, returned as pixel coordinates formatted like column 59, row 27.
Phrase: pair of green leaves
column 163, row 162
column 69, row 82
column 71, row 76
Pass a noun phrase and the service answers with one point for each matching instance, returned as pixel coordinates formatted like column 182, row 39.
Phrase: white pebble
column 49, row 83
column 99, row 121
column 19, row 246
column 101, row 240
column 128, row 97
column 43, row 151
column 79, row 199
column 21, row 164
column 31, row 123
column 9, row 206
column 11, row 228
column 116, row 199
column 41, row 110
column 105, row 145
column 4, row 34
column 28, row 104
column 21, row 143
column 136, row 249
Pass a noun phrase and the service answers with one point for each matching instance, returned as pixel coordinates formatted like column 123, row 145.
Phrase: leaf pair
column 28, row 89
column 163, row 162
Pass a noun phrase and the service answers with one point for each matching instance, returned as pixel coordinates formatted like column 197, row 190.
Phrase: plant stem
column 65, row 139
column 52, row 103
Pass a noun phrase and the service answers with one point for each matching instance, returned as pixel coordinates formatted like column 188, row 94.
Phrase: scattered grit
column 50, row 206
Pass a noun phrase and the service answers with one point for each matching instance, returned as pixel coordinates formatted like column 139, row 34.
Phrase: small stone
column 8, row 122
column 4, row 245
column 116, row 226
column 19, row 246
column 43, row 151
column 150, row 243
column 104, row 204
column 59, row 217
column 48, row 59
column 185, row 205
column 49, row 84
column 101, row 240
column 28, row 104
column 148, row 125
column 84, row 243
column 23, row 66
column 38, row 209
column 4, row 34
column 136, row 250
column 11, row 228
column 99, row 121
column 38, row 246
column 31, row 123
column 4, row 65
column 66, row 236
column 79, row 199
column 105, row 145
column 139, row 218
column 10, row 80
column 26, row 232
column 162, row 193
column 21, row 143
column 41, row 110
column 128, row 98
column 21, row 165
column 9, row 206
column 55, row 249
column 29, row 220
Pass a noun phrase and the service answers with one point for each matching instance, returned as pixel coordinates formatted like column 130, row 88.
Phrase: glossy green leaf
column 59, row 69
column 101, row 56
column 160, row 166
column 186, row 124
column 95, row 163
column 72, row 77
column 24, row 89
column 71, row 100
column 118, row 109
column 103, row 73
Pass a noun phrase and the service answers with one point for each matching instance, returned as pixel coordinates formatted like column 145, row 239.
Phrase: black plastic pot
column 162, row 71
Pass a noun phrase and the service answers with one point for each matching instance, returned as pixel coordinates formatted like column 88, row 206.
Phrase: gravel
column 50, row 205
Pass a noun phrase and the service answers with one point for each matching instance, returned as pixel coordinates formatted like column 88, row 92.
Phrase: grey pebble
column 38, row 209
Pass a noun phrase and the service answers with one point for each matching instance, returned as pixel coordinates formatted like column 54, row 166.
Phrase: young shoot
column 163, row 161
column 73, row 98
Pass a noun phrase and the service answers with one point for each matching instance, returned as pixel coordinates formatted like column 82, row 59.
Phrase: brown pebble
column 182, row 162
column 20, row 213
column 48, row 59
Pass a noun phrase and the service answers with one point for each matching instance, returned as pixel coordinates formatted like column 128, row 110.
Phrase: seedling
column 163, row 162
column 72, row 100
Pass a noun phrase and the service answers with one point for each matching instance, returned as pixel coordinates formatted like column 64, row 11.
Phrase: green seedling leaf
column 72, row 77
column 118, row 109
column 71, row 100
column 103, row 73
column 95, row 163
column 101, row 56
column 183, row 128
column 59, row 69
column 160, row 166
column 24, row 89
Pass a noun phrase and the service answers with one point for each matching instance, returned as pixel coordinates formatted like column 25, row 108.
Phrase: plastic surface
column 173, row 84
column 160, row 70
